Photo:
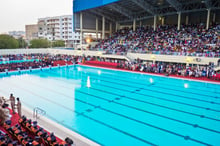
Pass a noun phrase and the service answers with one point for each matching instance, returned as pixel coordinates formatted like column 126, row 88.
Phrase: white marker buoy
column 88, row 82
column 99, row 72
column 186, row 85
column 151, row 80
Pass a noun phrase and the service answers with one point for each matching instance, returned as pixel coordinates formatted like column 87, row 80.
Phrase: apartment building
column 58, row 28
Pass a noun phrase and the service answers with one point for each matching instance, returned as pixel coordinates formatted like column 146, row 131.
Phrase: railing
column 129, row 58
column 38, row 111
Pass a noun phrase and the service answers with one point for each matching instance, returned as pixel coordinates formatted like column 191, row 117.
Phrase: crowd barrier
column 100, row 63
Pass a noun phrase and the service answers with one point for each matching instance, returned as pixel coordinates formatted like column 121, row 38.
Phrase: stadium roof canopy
column 128, row 10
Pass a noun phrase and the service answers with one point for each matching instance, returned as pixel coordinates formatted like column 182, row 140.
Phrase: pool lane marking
column 171, row 132
column 160, row 98
column 124, row 132
column 154, row 86
column 152, row 113
column 147, row 124
column 181, row 96
column 75, row 130
column 164, row 98
column 147, row 74
column 158, row 78
column 39, row 95
column 212, row 102
column 202, row 116
column 133, row 107
column 78, row 113
column 28, row 90
column 92, row 74
column 129, row 106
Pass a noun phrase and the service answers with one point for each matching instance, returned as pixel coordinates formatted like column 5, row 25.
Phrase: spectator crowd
column 190, row 40
column 37, row 61
column 25, row 131
column 163, row 68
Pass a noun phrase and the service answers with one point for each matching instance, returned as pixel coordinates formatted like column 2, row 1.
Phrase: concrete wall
column 23, row 51
column 175, row 59
column 150, row 57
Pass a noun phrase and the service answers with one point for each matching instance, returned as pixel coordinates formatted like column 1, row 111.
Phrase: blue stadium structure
column 106, row 16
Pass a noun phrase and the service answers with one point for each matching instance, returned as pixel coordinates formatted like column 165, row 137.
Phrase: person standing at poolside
column 18, row 106
column 12, row 99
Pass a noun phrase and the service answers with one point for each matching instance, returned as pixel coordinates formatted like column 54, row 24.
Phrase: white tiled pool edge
column 59, row 130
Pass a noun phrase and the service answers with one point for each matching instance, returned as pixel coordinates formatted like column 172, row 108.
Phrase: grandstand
column 107, row 16
column 147, row 19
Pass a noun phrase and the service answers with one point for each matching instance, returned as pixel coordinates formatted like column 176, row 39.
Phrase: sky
column 15, row 14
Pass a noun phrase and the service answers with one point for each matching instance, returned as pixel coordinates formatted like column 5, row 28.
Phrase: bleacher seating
column 191, row 40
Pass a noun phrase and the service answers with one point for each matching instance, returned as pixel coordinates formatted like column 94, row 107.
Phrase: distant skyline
column 15, row 14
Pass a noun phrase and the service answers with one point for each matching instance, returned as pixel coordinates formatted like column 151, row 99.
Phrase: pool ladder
column 38, row 111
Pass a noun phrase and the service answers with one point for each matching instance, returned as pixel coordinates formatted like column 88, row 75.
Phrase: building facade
column 31, row 32
column 17, row 34
column 58, row 28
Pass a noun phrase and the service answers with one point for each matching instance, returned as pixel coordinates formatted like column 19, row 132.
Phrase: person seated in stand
column 69, row 141
column 2, row 101
column 2, row 116
column 6, row 111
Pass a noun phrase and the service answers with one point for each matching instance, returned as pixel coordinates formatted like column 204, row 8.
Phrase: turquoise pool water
column 115, row 108
column 18, row 61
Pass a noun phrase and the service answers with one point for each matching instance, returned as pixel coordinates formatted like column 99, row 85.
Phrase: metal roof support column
column 81, row 29
column 187, row 19
column 134, row 25
column 179, row 20
column 155, row 22
column 162, row 21
column 208, row 19
column 140, row 24
column 213, row 19
column 97, row 27
column 117, row 27
column 110, row 28
column 103, row 27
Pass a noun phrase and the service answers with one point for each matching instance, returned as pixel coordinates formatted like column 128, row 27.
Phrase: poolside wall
column 149, row 57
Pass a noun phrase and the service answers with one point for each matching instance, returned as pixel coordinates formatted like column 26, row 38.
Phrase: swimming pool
column 116, row 108
column 18, row 61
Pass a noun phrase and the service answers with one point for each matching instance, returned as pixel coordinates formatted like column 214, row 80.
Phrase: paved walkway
column 59, row 130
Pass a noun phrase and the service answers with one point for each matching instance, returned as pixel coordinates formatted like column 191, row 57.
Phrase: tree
column 22, row 43
column 39, row 43
column 58, row 43
column 8, row 42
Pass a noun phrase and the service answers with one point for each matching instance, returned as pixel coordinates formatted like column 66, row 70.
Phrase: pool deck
column 59, row 130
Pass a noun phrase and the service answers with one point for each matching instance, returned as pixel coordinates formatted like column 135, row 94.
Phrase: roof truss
column 121, row 10
column 175, row 4
column 144, row 5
